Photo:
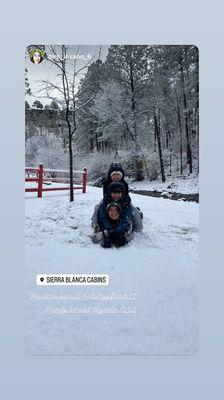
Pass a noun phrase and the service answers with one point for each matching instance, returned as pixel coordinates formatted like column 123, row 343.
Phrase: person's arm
column 126, row 187
column 104, row 223
column 126, row 201
column 105, row 187
column 124, row 222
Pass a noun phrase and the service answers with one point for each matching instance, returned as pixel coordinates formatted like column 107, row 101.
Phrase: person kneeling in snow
column 114, row 219
column 112, row 230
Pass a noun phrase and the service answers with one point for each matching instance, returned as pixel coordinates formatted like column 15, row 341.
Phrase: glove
column 97, row 237
column 106, row 234
column 106, row 243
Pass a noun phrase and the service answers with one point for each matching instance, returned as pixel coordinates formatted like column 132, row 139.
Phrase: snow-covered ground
column 157, row 275
column 184, row 185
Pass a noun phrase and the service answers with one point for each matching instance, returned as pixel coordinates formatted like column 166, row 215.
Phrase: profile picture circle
column 37, row 56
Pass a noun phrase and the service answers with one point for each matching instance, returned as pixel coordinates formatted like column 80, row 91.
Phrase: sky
column 84, row 54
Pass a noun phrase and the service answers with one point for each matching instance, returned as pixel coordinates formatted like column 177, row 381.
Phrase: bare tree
column 64, row 92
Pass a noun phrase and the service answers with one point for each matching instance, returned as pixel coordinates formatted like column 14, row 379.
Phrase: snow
column 157, row 275
column 184, row 185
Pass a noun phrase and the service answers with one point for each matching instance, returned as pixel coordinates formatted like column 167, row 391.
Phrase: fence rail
column 41, row 179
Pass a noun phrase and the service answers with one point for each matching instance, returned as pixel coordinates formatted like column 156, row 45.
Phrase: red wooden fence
column 41, row 177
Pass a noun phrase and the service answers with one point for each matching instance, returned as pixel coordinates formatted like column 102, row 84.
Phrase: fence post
column 84, row 179
column 40, row 180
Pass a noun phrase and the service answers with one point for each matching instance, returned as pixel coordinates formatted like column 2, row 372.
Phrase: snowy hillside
column 157, row 274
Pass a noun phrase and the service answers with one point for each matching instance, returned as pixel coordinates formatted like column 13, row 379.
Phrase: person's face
column 36, row 57
column 113, row 213
column 116, row 177
column 116, row 196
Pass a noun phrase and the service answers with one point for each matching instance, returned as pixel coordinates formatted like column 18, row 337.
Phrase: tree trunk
column 189, row 153
column 70, row 154
column 71, row 167
column 97, row 143
column 133, row 106
column 157, row 132
column 181, row 139
column 91, row 141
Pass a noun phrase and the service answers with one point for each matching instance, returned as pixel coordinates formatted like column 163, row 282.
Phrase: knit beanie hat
column 116, row 187
column 115, row 167
column 116, row 172
column 117, row 205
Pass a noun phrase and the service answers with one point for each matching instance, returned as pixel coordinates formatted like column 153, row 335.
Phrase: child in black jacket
column 118, row 233
column 114, row 223
column 115, row 174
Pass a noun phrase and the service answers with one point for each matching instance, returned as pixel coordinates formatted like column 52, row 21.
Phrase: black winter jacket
column 108, row 180
column 118, row 227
